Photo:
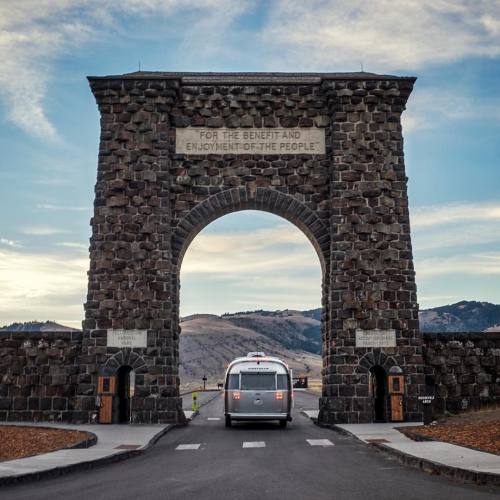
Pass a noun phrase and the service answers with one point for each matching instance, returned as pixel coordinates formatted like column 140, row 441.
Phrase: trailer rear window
column 233, row 382
column 258, row 382
column 282, row 382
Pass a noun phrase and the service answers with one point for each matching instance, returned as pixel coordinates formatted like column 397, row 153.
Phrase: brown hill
column 208, row 343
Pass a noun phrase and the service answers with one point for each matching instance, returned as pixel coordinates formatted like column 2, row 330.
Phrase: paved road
column 203, row 398
column 283, row 466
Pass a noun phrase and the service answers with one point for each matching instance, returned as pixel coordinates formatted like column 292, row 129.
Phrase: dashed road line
column 319, row 442
column 188, row 446
column 254, row 444
column 213, row 418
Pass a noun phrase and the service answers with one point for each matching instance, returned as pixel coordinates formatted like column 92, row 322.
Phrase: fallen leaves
column 18, row 441
column 479, row 430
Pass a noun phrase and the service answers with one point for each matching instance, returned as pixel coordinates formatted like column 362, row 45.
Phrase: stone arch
column 265, row 199
column 153, row 196
column 374, row 358
column 122, row 358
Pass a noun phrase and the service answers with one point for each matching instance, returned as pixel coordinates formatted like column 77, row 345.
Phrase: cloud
column 456, row 226
column 273, row 267
column 42, row 230
column 65, row 208
column 383, row 34
column 42, row 286
column 435, row 215
column 434, row 298
column 487, row 263
column 10, row 243
column 253, row 253
column 428, row 108
column 35, row 33
column 73, row 244
column 456, row 251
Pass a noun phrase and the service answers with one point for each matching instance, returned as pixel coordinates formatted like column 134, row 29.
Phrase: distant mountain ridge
column 301, row 330
column 37, row 326
column 463, row 316
column 209, row 342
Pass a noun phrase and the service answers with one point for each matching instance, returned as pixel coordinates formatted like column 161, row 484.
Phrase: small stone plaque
column 261, row 141
column 375, row 338
column 127, row 338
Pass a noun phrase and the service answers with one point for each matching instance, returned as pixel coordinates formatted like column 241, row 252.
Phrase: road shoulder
column 113, row 443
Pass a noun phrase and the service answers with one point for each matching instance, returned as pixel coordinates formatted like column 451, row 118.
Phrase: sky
column 49, row 129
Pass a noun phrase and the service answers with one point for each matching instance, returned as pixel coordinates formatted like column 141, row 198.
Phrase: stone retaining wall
column 38, row 375
column 462, row 369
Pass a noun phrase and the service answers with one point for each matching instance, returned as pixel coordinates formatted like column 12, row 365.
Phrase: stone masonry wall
column 38, row 375
column 371, row 268
column 462, row 369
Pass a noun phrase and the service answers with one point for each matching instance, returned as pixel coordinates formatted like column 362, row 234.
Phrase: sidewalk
column 114, row 442
column 432, row 456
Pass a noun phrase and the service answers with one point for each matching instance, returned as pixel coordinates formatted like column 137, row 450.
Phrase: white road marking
column 319, row 442
column 254, row 444
column 213, row 418
column 188, row 446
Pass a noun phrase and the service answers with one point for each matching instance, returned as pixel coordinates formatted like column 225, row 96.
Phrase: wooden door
column 396, row 407
column 106, row 388
column 396, row 384
column 106, row 410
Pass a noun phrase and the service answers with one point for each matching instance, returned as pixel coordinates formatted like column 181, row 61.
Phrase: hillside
column 37, row 326
column 208, row 343
column 292, row 329
column 464, row 316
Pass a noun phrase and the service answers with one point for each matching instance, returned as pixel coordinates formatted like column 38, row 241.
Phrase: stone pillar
column 371, row 269
column 130, row 251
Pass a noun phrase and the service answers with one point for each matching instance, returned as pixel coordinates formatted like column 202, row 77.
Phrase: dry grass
column 315, row 386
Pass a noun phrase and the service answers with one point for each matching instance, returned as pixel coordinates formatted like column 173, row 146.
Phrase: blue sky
column 49, row 128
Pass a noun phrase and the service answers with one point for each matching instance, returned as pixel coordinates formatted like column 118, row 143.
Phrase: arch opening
column 263, row 199
column 125, row 377
column 378, row 390
column 261, row 281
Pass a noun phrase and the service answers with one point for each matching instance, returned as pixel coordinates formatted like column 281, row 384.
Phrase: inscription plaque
column 375, row 338
column 262, row 141
column 127, row 338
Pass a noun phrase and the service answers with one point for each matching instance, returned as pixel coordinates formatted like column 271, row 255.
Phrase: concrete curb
column 429, row 466
column 436, row 468
column 312, row 419
column 89, row 464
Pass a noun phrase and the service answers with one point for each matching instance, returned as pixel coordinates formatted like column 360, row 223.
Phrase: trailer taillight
column 279, row 395
column 236, row 395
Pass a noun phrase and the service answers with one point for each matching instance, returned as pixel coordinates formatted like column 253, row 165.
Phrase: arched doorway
column 378, row 392
column 125, row 382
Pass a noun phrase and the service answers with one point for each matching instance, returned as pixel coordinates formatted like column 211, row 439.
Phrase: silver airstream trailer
column 258, row 387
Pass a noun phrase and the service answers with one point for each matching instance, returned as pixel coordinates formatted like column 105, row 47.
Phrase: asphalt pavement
column 206, row 460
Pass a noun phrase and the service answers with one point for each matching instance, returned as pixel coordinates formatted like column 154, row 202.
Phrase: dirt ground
column 18, row 442
column 474, row 429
